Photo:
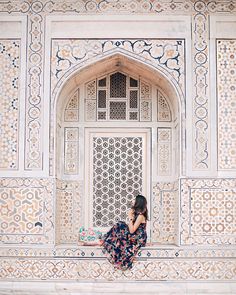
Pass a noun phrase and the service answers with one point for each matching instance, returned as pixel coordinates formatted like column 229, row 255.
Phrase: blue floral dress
column 121, row 246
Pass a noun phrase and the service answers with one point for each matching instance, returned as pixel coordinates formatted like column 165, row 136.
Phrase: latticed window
column 117, row 176
column 117, row 97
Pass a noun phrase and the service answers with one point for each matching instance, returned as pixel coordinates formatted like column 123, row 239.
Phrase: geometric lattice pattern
column 9, row 108
column 21, row 210
column 169, row 215
column 90, row 101
column 69, row 211
column 165, row 213
column 102, row 99
column 145, row 110
column 145, row 91
column 208, row 211
column 26, row 211
column 116, row 100
column 71, row 150
column 117, row 177
column 226, row 86
column 118, row 85
column 213, row 212
column 163, row 109
column 117, row 110
column 145, row 102
column 72, row 108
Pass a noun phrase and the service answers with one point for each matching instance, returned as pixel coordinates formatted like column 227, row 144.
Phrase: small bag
column 89, row 235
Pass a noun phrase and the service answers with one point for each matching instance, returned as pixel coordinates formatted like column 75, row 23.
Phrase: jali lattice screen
column 117, row 177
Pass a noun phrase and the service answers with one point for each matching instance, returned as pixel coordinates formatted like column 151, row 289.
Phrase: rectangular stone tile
column 5, row 286
column 166, row 287
column 34, row 286
column 205, row 287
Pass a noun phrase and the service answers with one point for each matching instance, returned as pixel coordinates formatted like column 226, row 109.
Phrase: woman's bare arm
column 133, row 226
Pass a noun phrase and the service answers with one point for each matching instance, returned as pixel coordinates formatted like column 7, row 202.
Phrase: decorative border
column 200, row 114
column 71, row 53
column 34, row 103
column 147, row 252
column 150, row 270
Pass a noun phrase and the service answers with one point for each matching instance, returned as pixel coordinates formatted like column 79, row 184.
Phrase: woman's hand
column 131, row 214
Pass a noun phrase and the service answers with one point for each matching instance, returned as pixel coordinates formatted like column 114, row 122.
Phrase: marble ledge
column 92, row 287
column 154, row 251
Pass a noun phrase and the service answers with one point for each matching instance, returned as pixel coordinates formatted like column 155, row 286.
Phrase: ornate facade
column 101, row 100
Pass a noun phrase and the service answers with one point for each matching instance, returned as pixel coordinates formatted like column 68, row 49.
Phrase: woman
column 122, row 241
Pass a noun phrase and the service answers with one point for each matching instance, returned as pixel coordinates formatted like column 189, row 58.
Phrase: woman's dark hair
column 140, row 207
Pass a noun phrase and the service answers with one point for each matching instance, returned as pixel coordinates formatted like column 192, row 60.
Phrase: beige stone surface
column 92, row 287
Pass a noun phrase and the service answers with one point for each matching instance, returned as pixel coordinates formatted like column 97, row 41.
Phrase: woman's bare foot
column 95, row 243
column 100, row 242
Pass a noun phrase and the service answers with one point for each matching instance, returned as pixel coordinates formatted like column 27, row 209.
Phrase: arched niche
column 164, row 136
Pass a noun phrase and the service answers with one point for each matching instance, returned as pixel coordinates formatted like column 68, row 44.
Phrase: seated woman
column 122, row 241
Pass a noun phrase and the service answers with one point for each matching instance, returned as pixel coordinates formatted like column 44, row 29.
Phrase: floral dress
column 121, row 246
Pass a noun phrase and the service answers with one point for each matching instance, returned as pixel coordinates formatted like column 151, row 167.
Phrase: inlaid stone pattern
column 145, row 102
column 21, row 210
column 152, row 6
column 71, row 113
column 26, row 211
column 163, row 108
column 213, row 212
column 34, row 103
column 69, row 211
column 165, row 213
column 71, row 152
column 38, row 11
column 208, row 210
column 167, row 55
column 9, row 103
column 90, row 101
column 200, row 112
column 164, row 148
column 150, row 270
column 151, row 252
column 226, row 91
column 69, row 55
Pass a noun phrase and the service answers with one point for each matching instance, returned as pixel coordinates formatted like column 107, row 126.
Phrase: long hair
column 140, row 206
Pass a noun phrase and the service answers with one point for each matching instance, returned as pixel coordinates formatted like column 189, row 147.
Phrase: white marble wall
column 202, row 209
